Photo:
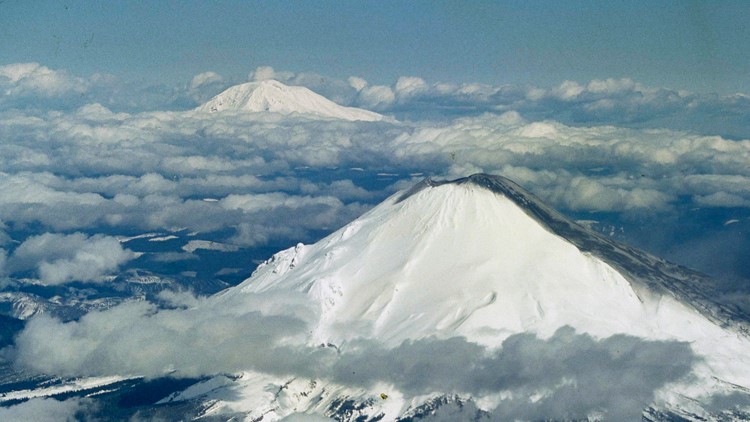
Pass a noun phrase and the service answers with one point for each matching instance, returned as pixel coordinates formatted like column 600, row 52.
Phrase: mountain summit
column 483, row 260
column 481, row 255
column 273, row 96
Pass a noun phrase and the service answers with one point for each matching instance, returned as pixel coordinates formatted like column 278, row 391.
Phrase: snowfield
column 275, row 97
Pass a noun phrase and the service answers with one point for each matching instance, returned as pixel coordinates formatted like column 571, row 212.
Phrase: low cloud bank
column 570, row 374
column 260, row 179
column 43, row 409
column 135, row 339
column 573, row 375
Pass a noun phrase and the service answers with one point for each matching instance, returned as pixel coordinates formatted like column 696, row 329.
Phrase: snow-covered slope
column 273, row 96
column 482, row 259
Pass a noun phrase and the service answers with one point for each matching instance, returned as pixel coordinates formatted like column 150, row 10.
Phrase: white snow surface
column 163, row 238
column 66, row 387
column 461, row 260
column 273, row 96
column 208, row 245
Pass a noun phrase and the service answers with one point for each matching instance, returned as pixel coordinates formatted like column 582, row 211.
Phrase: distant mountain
column 273, row 96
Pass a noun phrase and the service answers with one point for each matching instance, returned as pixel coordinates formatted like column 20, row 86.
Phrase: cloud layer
column 45, row 410
column 572, row 375
column 621, row 102
column 263, row 178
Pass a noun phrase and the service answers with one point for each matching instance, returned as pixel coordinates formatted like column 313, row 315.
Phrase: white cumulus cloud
column 59, row 258
column 357, row 83
column 408, row 86
column 376, row 97
column 35, row 79
column 205, row 78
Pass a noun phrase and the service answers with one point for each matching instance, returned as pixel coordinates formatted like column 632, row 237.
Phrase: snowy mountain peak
column 645, row 272
column 481, row 255
column 273, row 96
column 483, row 260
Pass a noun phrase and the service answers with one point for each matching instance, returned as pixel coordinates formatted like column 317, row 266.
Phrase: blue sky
column 692, row 45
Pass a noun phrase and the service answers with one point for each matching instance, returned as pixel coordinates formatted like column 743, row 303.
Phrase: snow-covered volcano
column 273, row 96
column 454, row 300
column 481, row 259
